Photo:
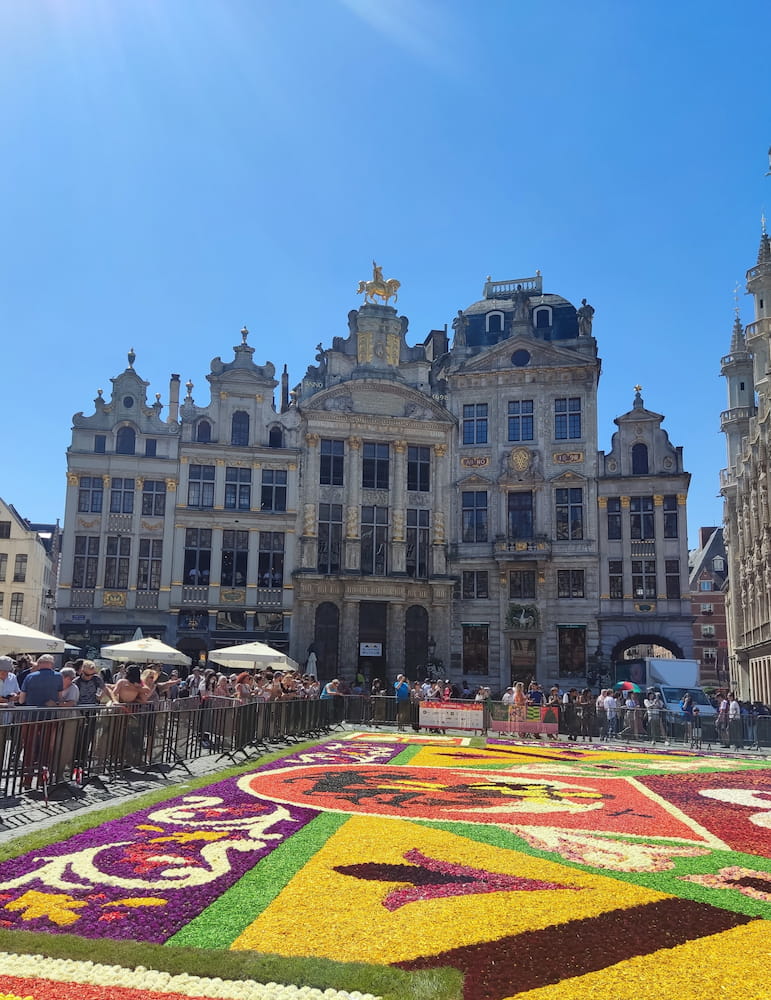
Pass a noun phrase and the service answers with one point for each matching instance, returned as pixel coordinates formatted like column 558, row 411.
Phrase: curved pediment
column 522, row 353
column 376, row 397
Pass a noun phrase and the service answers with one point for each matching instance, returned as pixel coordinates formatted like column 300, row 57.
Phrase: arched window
column 494, row 322
column 276, row 438
column 125, row 441
column 326, row 638
column 203, row 432
column 639, row 460
column 239, row 428
column 415, row 640
column 542, row 318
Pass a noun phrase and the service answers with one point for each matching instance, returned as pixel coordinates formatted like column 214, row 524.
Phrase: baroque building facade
column 29, row 561
column 437, row 508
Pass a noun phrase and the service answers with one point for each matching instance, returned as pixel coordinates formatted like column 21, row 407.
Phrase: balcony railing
column 760, row 328
column 121, row 524
column 505, row 289
column 736, row 413
column 195, row 595
column 146, row 600
column 540, row 547
column 81, row 598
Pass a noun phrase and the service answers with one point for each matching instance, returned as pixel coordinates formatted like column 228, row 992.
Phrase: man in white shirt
column 611, row 714
column 9, row 687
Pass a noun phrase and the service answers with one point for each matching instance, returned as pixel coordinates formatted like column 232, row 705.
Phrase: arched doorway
column 326, row 637
column 617, row 653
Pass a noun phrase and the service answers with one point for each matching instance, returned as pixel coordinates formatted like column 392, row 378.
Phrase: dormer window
column 494, row 322
column 203, row 432
column 239, row 429
column 125, row 441
column 542, row 317
column 276, row 438
column 718, row 564
column 639, row 460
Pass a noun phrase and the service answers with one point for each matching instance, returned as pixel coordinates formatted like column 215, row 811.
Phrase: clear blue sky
column 173, row 169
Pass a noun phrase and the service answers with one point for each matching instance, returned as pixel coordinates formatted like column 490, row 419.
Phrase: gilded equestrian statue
column 378, row 287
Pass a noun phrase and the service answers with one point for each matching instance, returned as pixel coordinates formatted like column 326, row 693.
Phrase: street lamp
column 431, row 648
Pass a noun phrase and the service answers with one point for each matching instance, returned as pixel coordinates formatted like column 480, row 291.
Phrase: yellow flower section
column 332, row 915
column 733, row 964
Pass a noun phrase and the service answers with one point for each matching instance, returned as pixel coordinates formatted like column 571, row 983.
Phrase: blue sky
column 173, row 169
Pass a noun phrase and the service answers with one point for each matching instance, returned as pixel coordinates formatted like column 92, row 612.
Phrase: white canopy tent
column 145, row 651
column 16, row 638
column 252, row 656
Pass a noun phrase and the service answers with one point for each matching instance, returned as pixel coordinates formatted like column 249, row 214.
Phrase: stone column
column 348, row 654
column 352, row 541
column 626, row 548
column 438, row 514
column 396, row 650
column 658, row 534
column 602, row 533
column 309, row 539
column 397, row 564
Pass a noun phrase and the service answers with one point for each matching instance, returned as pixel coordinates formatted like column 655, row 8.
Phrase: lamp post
column 431, row 649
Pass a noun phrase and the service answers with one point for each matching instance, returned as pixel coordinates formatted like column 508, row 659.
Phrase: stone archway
column 617, row 653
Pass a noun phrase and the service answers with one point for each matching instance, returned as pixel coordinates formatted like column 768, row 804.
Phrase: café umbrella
column 145, row 651
column 628, row 686
column 252, row 656
column 16, row 638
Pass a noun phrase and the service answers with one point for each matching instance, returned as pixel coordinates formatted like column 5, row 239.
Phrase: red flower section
column 49, row 989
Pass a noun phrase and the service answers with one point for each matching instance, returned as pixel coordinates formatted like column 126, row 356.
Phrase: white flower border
column 94, row 974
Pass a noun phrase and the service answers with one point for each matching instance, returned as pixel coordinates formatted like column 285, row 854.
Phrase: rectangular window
column 154, row 497
column 121, row 496
column 197, row 557
column 238, row 488
column 16, row 611
column 570, row 513
column 331, row 463
column 709, row 654
column 417, row 543
column 90, row 495
column 570, row 583
column 374, row 470
column 3, row 566
column 270, row 559
column 474, row 584
column 475, row 423
column 616, row 579
column 706, row 609
column 522, row 584
column 100, row 444
column 116, row 562
column 149, row 565
column 641, row 518
column 330, row 537
column 571, row 650
column 644, row 578
column 567, row 418
column 5, row 529
column 20, row 568
column 418, row 469
column 85, row 563
column 273, row 496
column 672, row 573
column 151, row 447
column 235, row 551
column 614, row 518
column 475, row 649
column 705, row 585
column 670, row 517
column 2, row 598
column 521, row 420
column 520, row 515
column 707, row 631
column 474, row 505
column 200, row 487
column 374, row 540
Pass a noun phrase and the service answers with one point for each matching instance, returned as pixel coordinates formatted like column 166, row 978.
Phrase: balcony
column 146, row 600
column 506, row 289
column 523, row 548
column 736, row 413
column 195, row 595
column 642, row 549
column 120, row 524
column 270, row 597
column 81, row 598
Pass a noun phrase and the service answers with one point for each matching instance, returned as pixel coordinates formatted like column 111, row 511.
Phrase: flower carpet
column 528, row 870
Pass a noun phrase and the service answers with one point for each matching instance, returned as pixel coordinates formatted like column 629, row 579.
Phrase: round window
column 128, row 402
column 520, row 358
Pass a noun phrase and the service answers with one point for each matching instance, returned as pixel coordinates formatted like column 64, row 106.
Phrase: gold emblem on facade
column 519, row 459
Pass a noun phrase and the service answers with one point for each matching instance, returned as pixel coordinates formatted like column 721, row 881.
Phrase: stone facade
column 29, row 558
column 708, row 582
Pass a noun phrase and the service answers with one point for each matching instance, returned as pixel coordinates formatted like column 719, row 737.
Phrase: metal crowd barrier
column 47, row 749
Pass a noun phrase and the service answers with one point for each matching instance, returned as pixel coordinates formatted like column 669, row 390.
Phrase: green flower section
column 222, row 922
column 407, row 754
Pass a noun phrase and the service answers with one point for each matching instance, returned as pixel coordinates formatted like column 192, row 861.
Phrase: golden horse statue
column 379, row 286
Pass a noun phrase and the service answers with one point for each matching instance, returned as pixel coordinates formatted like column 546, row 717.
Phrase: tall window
column 417, row 543
column 474, row 584
column 521, row 420
column 100, row 444
column 151, row 447
column 641, row 517
column 614, row 518
column 5, row 526
column 238, row 488
column 239, row 429
column 3, row 566
column 374, row 540
column 616, row 579
column 374, row 470
column 200, row 487
column 270, row 559
column 20, row 568
column 570, row 583
column 639, row 459
column 672, row 574
column 125, row 441
column 154, row 497
column 670, row 517
column 116, row 563
column 90, row 495
column 475, row 649
column 521, row 584
column 644, row 578
column 16, row 611
column 474, row 515
column 330, row 537
column 197, row 556
column 571, row 650
column 567, row 418
column 85, row 563
column 570, row 513
column 273, row 490
column 520, row 512
column 203, row 432
column 275, row 438
column 121, row 496
column 149, row 565
column 475, row 423
column 418, row 468
column 331, row 461
column 235, row 552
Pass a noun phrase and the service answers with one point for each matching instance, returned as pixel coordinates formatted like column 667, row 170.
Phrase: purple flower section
column 145, row 876
column 339, row 752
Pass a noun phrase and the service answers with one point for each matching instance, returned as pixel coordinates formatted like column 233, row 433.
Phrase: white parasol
column 16, row 638
column 252, row 655
column 145, row 651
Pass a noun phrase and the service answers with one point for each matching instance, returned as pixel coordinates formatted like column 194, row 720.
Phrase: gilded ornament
column 519, row 459
column 379, row 287
column 73, row 479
